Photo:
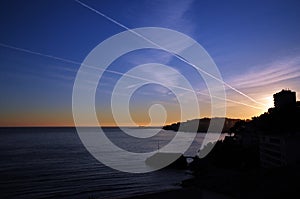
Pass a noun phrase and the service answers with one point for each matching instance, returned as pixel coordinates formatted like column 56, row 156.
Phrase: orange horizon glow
column 64, row 118
column 110, row 124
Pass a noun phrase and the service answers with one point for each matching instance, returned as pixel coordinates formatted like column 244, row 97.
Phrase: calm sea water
column 53, row 163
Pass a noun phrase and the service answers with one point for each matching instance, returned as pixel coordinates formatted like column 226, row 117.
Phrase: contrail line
column 116, row 72
column 174, row 54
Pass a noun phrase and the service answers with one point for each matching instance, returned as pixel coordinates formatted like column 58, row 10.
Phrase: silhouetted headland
column 200, row 125
column 260, row 158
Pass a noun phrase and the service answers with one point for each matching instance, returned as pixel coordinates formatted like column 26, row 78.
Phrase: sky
column 254, row 44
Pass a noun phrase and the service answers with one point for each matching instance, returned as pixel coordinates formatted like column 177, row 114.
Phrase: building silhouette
column 281, row 148
column 284, row 99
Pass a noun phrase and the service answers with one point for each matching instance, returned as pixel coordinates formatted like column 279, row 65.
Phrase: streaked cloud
column 272, row 73
column 169, row 14
column 262, row 81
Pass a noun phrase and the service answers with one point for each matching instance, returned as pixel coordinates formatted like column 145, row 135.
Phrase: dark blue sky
column 255, row 44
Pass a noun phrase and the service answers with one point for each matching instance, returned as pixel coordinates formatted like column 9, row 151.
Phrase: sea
column 53, row 163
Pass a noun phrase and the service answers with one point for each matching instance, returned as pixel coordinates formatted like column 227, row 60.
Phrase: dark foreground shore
column 183, row 193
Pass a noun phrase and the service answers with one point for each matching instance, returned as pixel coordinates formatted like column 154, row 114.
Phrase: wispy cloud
column 273, row 73
column 262, row 81
column 169, row 14
column 166, row 14
column 157, row 74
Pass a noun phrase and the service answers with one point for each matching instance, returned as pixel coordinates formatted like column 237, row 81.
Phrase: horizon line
column 114, row 126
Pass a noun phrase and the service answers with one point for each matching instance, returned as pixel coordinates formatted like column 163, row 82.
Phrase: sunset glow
column 43, row 46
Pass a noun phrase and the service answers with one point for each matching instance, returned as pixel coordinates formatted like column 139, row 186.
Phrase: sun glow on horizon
column 269, row 102
column 38, row 70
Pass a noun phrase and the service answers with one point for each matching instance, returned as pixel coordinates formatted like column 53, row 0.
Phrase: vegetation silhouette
column 234, row 166
column 200, row 125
